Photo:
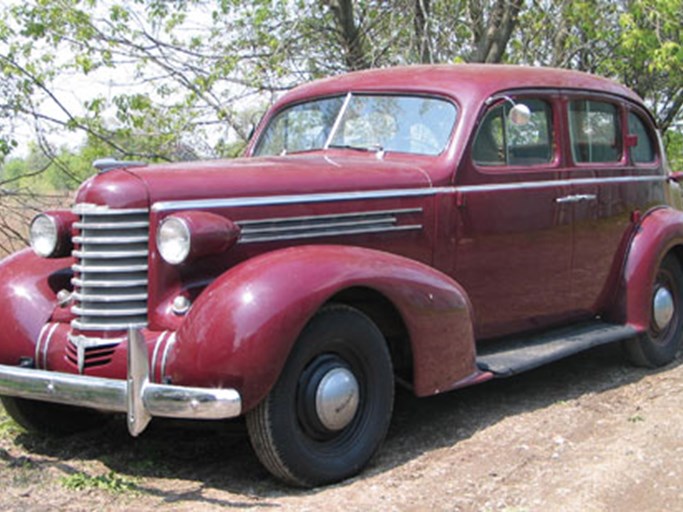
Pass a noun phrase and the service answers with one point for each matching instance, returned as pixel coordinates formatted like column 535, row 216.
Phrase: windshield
column 408, row 124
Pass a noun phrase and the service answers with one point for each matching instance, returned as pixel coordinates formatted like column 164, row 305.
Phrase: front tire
column 662, row 341
column 51, row 419
column 330, row 410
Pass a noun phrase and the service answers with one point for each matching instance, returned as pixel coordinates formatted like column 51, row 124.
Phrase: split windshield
column 408, row 124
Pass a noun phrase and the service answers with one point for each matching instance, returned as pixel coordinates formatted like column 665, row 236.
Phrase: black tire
column 52, row 419
column 659, row 345
column 285, row 429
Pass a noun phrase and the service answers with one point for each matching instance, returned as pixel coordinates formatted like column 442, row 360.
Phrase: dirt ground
column 590, row 433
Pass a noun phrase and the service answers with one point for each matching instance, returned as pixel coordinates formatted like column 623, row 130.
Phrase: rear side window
column 501, row 142
column 644, row 150
column 595, row 132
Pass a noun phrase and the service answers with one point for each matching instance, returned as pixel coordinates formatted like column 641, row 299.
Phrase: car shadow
column 217, row 456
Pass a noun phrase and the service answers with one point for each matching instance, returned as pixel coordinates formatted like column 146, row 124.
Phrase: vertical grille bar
column 110, row 274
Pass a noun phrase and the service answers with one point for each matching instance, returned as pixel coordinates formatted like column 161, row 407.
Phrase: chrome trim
column 96, row 326
column 337, row 121
column 109, row 240
column 155, row 353
column 93, row 342
column 576, row 198
column 103, row 269
column 110, row 298
column 98, row 255
column 92, row 283
column 107, row 312
column 39, row 342
column 190, row 204
column 530, row 185
column 46, row 344
column 169, row 343
column 331, row 216
column 110, row 225
column 325, row 234
column 98, row 209
column 136, row 395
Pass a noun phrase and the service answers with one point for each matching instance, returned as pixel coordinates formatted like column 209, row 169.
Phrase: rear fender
column 240, row 330
column 28, row 288
column 658, row 233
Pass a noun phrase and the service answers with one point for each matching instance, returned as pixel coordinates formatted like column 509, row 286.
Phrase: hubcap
column 662, row 307
column 337, row 398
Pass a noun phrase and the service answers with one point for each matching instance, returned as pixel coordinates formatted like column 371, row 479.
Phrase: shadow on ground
column 200, row 458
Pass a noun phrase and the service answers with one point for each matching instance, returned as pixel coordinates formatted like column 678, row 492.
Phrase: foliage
column 183, row 79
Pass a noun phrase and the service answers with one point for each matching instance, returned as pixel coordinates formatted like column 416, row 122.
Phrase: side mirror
column 519, row 114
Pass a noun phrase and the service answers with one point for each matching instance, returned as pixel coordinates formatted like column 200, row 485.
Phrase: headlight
column 174, row 240
column 44, row 235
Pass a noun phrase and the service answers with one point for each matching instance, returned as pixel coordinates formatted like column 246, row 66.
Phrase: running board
column 510, row 356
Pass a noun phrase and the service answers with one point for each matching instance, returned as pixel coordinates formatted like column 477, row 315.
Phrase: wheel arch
column 241, row 329
column 659, row 233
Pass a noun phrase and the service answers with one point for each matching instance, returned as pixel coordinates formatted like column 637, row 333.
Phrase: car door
column 615, row 176
column 513, row 238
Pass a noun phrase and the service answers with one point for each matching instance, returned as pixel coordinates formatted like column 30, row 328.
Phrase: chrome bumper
column 136, row 396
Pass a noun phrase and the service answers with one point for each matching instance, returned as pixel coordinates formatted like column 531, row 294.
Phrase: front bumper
column 136, row 396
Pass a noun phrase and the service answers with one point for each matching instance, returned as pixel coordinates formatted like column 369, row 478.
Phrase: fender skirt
column 659, row 232
column 240, row 330
column 28, row 286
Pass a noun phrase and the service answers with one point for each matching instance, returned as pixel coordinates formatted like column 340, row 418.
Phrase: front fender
column 241, row 329
column 659, row 232
column 28, row 287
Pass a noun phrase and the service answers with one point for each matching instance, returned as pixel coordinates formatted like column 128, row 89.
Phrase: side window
column 502, row 142
column 595, row 131
column 644, row 150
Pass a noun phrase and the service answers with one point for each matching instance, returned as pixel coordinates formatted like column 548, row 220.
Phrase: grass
column 111, row 482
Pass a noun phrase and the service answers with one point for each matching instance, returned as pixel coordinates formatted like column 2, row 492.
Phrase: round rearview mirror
column 520, row 114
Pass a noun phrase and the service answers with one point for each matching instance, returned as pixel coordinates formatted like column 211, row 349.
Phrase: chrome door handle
column 576, row 198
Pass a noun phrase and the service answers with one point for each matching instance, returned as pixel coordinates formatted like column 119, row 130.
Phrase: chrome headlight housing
column 44, row 235
column 174, row 240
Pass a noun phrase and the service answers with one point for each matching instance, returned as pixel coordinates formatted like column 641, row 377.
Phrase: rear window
column 595, row 131
column 644, row 150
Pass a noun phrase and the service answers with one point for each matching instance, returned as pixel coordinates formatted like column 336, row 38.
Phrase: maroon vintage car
column 432, row 226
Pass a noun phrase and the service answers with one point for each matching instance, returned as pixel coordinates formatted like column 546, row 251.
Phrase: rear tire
column 52, row 419
column 330, row 410
column 662, row 341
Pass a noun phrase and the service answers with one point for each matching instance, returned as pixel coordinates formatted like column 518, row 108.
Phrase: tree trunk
column 491, row 41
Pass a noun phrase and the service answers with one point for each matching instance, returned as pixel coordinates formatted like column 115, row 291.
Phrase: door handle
column 576, row 198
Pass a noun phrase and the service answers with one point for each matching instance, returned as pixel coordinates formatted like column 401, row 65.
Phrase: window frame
column 653, row 136
column 552, row 97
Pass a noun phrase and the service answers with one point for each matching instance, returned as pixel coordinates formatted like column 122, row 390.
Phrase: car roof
column 467, row 83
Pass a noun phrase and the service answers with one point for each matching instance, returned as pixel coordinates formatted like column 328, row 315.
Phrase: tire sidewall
column 347, row 334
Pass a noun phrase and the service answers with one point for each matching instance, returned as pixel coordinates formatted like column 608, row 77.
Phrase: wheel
column 660, row 344
column 330, row 409
column 52, row 419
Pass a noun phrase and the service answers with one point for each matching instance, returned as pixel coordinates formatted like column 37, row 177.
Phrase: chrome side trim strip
column 164, row 206
column 323, row 234
column 332, row 216
column 530, row 185
column 190, row 204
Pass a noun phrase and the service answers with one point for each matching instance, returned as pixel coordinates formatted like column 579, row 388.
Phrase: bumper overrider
column 139, row 398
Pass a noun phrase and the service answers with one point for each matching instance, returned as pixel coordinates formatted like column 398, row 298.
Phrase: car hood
column 132, row 187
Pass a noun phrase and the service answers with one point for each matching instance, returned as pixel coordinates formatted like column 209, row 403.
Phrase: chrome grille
column 110, row 280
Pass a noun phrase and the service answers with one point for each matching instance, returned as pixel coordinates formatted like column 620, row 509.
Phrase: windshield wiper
column 374, row 148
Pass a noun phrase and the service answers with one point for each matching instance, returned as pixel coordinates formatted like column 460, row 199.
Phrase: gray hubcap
column 662, row 307
column 336, row 399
